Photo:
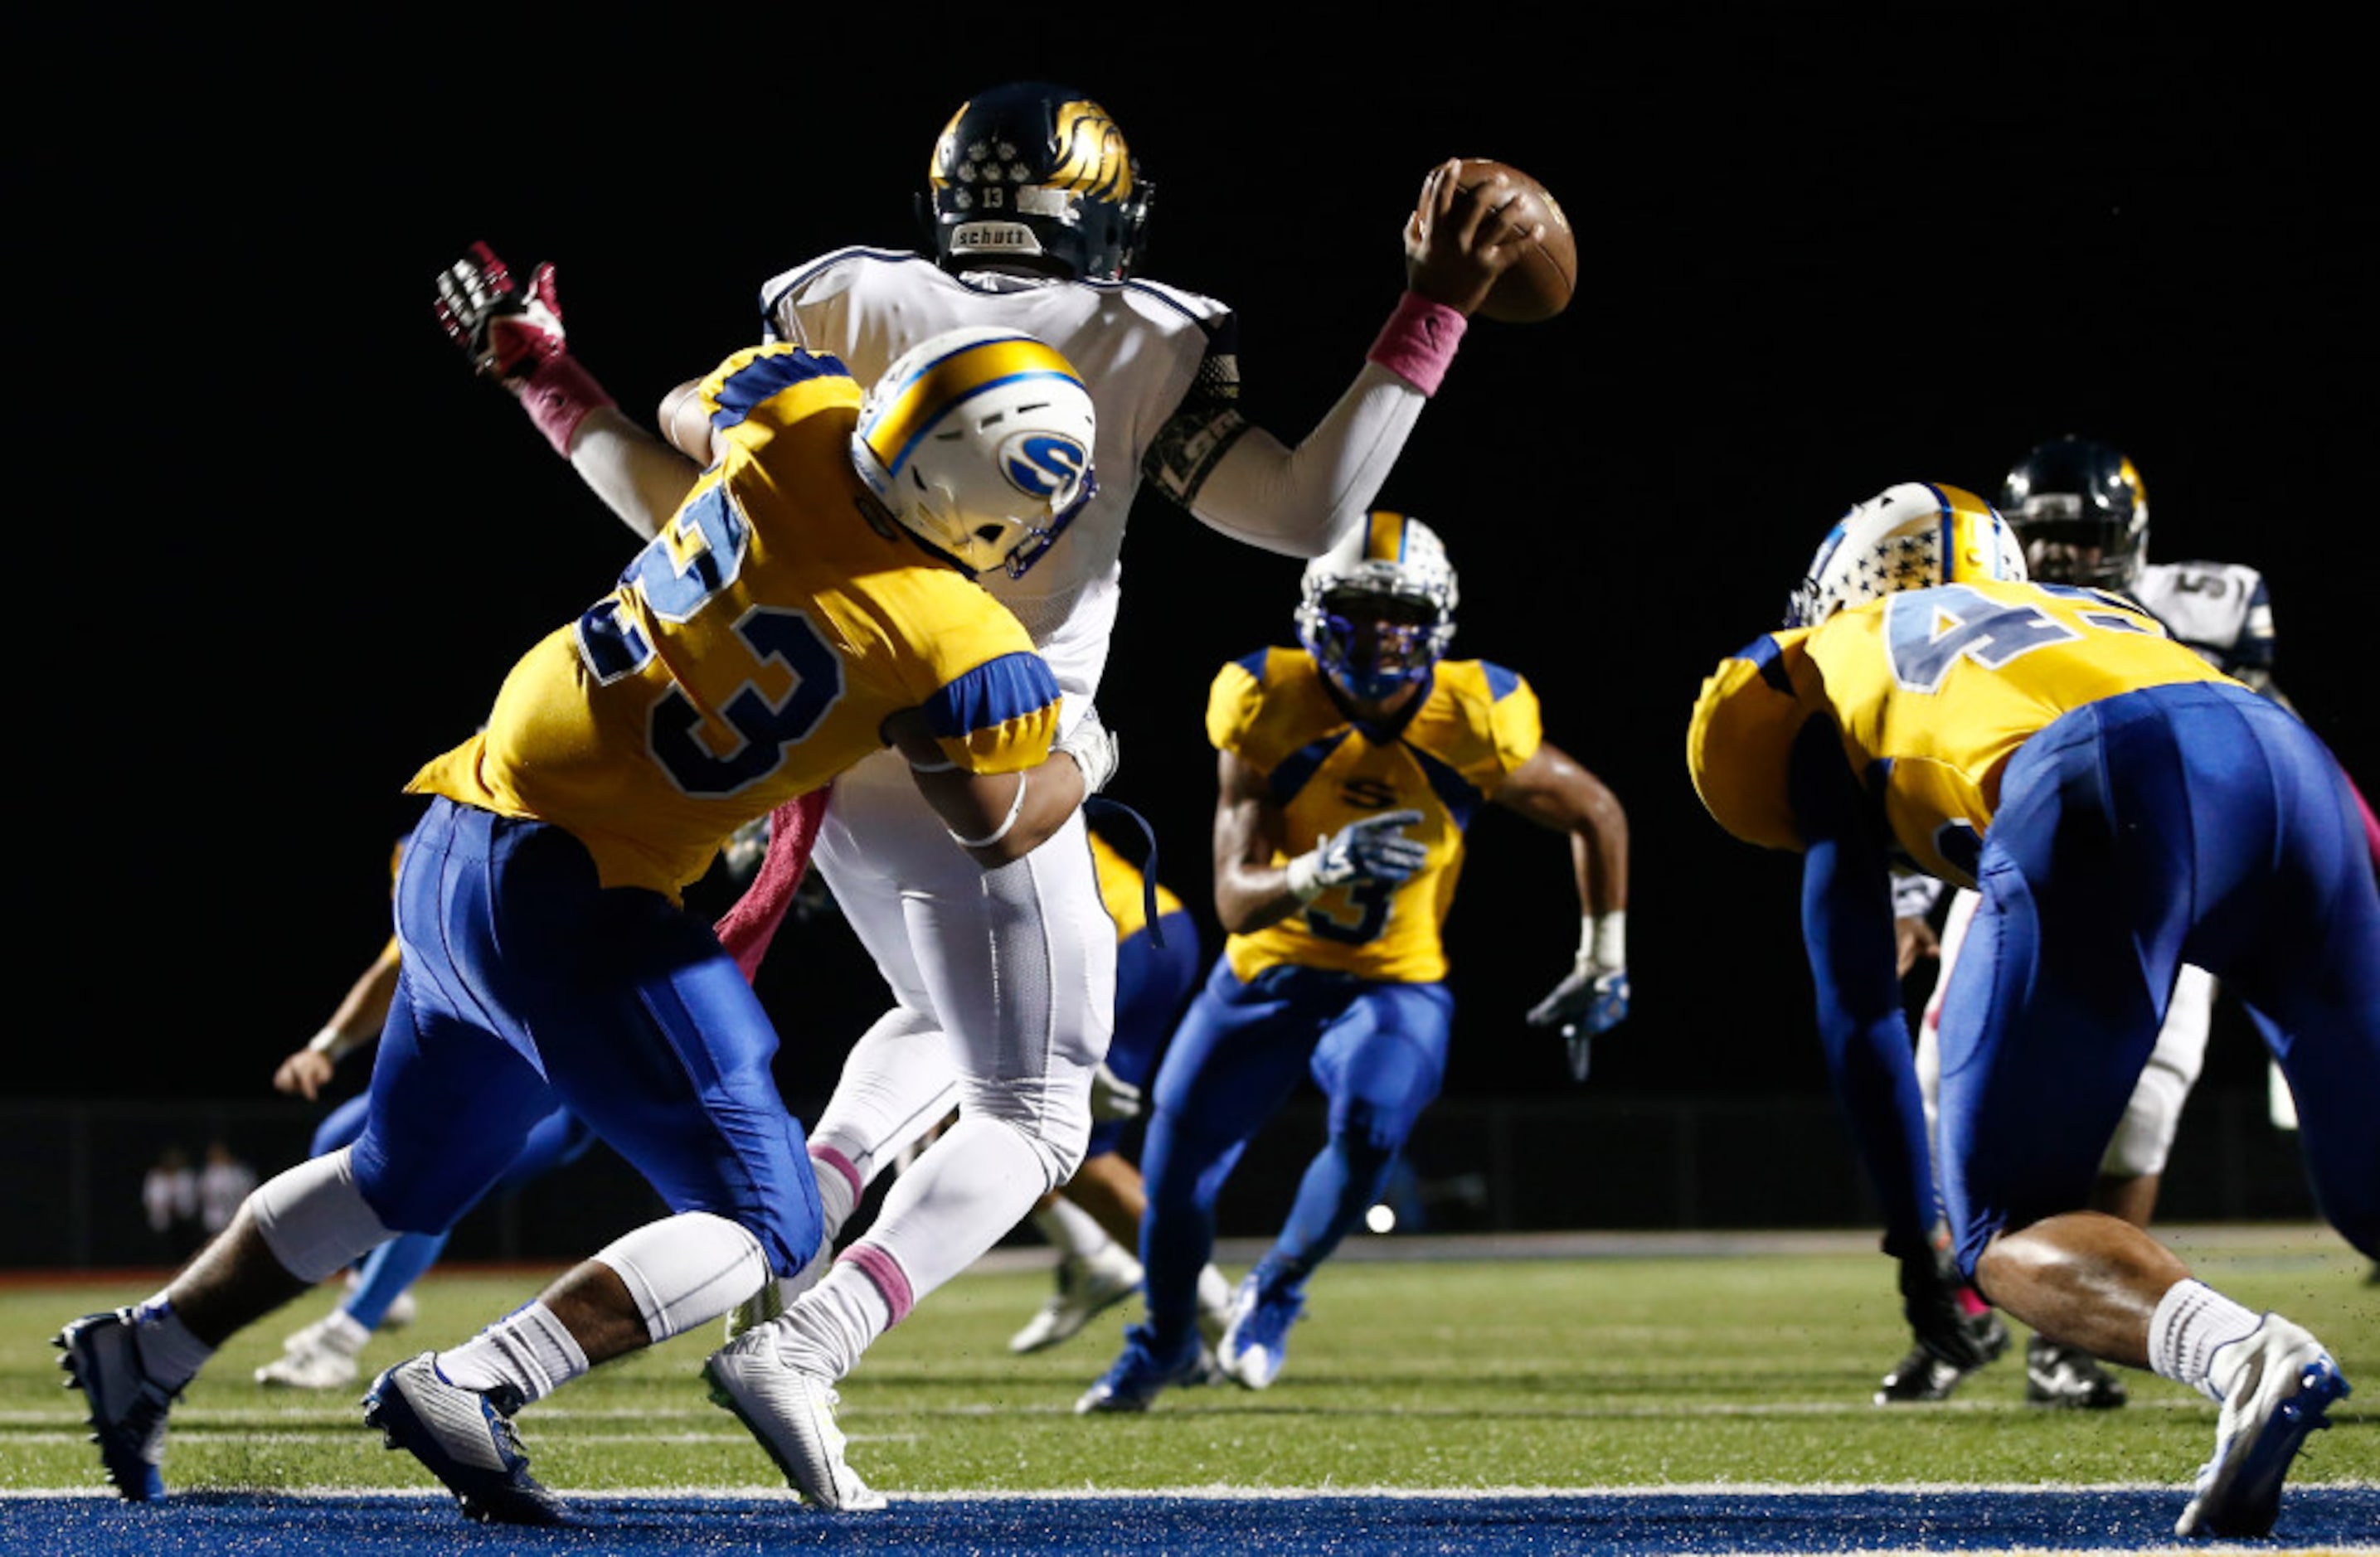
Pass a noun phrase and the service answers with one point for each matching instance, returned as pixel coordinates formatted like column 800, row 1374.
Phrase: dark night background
column 287, row 547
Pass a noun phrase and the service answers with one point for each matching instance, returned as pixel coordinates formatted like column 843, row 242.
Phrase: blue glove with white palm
column 1593, row 998
column 1369, row 849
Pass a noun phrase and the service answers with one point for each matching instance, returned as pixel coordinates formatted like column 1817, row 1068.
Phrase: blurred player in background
column 803, row 608
column 1348, row 769
column 1038, row 213
column 2123, row 808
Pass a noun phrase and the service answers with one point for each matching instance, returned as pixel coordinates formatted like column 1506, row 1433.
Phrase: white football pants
column 1004, row 989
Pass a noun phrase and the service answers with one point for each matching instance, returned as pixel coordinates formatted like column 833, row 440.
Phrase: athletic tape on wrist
column 1303, row 875
column 558, row 396
column 1418, row 341
column 331, row 1044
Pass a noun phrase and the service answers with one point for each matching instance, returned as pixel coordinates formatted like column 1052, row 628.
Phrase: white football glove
column 1594, row 998
column 1112, row 1097
column 1369, row 849
column 1095, row 751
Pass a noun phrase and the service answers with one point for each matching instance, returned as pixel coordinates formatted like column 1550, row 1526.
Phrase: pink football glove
column 507, row 335
column 517, row 341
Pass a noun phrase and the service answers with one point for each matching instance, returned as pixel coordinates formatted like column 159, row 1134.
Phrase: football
column 1540, row 286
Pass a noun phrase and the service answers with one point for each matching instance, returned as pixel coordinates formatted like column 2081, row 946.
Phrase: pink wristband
column 1419, row 341
column 558, row 396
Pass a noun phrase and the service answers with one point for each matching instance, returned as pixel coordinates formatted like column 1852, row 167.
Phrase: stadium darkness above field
column 299, row 546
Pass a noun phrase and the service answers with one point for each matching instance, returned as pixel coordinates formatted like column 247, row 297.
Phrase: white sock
column 527, row 1348
column 835, row 1321
column 2192, row 1323
column 170, row 1355
column 1071, row 1230
column 837, row 1198
column 1214, row 1291
column 343, row 1333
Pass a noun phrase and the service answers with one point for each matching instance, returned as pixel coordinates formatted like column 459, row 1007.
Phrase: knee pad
column 1051, row 1114
column 686, row 1269
column 314, row 1218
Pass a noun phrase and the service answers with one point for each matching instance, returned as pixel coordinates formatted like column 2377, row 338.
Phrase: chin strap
column 1101, row 805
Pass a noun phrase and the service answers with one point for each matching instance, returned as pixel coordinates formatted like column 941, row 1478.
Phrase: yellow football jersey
column 751, row 652
column 1120, row 889
column 1475, row 723
column 1933, row 691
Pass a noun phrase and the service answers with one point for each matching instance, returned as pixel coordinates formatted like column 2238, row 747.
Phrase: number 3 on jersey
column 699, row 553
column 1370, row 900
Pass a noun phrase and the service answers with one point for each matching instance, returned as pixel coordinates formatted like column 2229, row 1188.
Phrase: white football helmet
column 980, row 441
column 1377, row 609
column 1913, row 535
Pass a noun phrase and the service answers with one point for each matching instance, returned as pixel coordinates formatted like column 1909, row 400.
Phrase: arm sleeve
column 1296, row 502
column 1847, row 929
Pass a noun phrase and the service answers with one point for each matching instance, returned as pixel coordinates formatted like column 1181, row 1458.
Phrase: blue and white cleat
column 128, row 1407
column 2277, row 1391
column 465, row 1438
column 1139, row 1375
column 1256, row 1343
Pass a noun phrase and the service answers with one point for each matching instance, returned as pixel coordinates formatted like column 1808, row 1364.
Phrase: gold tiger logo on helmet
column 1089, row 158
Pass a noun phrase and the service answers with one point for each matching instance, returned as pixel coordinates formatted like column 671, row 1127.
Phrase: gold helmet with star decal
column 1913, row 535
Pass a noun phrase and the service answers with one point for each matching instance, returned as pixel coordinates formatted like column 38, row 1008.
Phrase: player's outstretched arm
column 1298, row 500
column 1551, row 790
column 639, row 477
column 361, row 1013
column 515, row 339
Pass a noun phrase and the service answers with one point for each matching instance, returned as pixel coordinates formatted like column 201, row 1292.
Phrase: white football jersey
column 1140, row 347
column 2218, row 608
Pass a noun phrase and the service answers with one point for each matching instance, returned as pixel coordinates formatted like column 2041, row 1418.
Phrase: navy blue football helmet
column 1036, row 176
column 2081, row 511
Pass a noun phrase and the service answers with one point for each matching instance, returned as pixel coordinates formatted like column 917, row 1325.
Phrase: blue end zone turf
column 201, row 1525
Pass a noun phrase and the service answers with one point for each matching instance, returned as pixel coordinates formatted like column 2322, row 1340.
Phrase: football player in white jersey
column 2084, row 513
column 1037, row 214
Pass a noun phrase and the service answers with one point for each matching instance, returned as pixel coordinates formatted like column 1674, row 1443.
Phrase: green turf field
column 1539, row 1372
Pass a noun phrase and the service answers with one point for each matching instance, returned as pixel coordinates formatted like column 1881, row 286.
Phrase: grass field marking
column 1226, row 1492
column 1273, row 1407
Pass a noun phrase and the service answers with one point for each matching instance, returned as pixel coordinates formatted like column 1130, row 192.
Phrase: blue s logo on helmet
column 1042, row 465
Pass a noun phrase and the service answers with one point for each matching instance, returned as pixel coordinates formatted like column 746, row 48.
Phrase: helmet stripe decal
column 941, row 386
column 1387, row 541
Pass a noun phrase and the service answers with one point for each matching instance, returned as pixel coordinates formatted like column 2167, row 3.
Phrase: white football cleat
column 317, row 1369
column 792, row 1413
column 1256, row 1343
column 1086, row 1288
column 2276, row 1383
column 320, row 1357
